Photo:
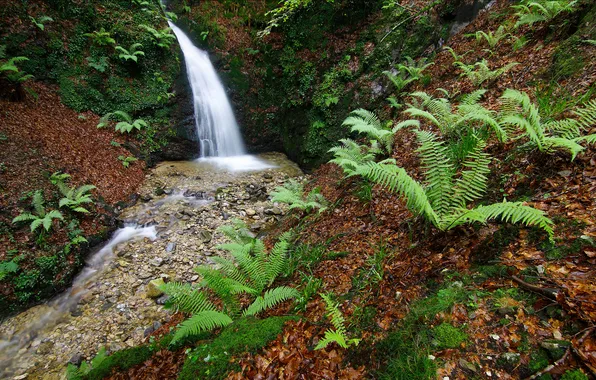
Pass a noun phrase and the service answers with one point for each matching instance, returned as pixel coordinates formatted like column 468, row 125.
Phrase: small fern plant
column 292, row 194
column 73, row 197
column 133, row 53
column 101, row 37
column 492, row 39
column 542, row 11
column 451, row 120
column 339, row 335
column 162, row 38
column 40, row 217
column 250, row 271
column 519, row 112
column 380, row 134
column 407, row 72
column 479, row 72
column 41, row 21
column 444, row 197
column 127, row 124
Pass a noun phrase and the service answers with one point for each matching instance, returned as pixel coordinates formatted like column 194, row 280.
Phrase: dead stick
column 547, row 292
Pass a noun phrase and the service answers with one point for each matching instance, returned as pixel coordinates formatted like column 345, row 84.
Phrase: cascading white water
column 218, row 131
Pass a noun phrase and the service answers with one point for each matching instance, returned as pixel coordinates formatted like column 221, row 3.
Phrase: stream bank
column 185, row 203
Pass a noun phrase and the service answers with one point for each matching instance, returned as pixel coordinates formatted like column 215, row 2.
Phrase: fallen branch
column 547, row 292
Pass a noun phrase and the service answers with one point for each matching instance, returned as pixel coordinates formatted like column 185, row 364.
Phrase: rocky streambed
column 171, row 229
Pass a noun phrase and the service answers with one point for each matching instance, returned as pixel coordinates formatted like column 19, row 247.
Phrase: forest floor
column 488, row 302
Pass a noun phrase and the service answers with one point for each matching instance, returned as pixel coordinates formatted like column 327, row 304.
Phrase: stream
column 163, row 236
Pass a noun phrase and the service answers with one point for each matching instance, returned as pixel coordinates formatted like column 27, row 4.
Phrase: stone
column 152, row 290
column 205, row 236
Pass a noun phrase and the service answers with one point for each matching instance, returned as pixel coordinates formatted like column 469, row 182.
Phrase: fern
column 479, row 72
column 542, row 11
column 469, row 113
column 443, row 199
column 339, row 335
column 292, row 194
column 520, row 112
column 40, row 217
column 270, row 299
column 132, row 53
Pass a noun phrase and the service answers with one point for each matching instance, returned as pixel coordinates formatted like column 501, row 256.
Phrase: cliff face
column 293, row 88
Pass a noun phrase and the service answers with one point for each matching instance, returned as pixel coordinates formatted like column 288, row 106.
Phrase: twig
column 547, row 292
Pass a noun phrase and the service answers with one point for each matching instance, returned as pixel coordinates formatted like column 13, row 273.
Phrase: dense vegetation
column 448, row 230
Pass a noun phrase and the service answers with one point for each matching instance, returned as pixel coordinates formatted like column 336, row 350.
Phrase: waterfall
column 218, row 131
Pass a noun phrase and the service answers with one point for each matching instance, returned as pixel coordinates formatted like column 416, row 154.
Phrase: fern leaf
column 270, row 299
column 201, row 321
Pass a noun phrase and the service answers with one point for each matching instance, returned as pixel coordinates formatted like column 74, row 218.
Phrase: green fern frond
column 201, row 321
column 397, row 180
column 511, row 212
column 271, row 298
column 438, row 171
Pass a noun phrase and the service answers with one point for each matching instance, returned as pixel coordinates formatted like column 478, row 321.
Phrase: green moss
column 212, row 360
column 575, row 374
column 448, row 336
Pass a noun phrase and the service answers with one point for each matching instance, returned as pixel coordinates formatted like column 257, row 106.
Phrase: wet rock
column 153, row 290
column 76, row 359
column 205, row 236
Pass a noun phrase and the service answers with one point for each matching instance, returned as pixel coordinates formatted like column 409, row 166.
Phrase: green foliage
column 292, row 194
column 126, row 161
column 407, row 72
column 479, row 72
column 566, row 134
column 576, row 374
column 531, row 12
column 380, row 134
column 39, row 23
column 468, row 114
column 101, row 37
column 132, row 53
column 211, row 360
column 39, row 217
column 492, row 39
column 162, row 38
column 250, row 271
column 339, row 335
column 7, row 268
column 447, row 336
column 443, row 199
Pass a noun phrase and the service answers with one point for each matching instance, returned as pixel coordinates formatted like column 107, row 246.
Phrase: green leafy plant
column 566, row 134
column 468, row 113
column 407, row 72
column 292, row 194
column 541, row 11
column 162, row 38
column 492, row 39
column 126, row 161
column 39, row 23
column 380, row 134
column 39, row 217
column 132, row 53
column 7, row 268
column 101, row 37
column 479, row 72
column 339, row 335
column 100, row 64
column 443, row 199
column 126, row 125
column 250, row 271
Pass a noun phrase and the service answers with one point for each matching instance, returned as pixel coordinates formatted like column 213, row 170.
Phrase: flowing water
column 165, row 237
